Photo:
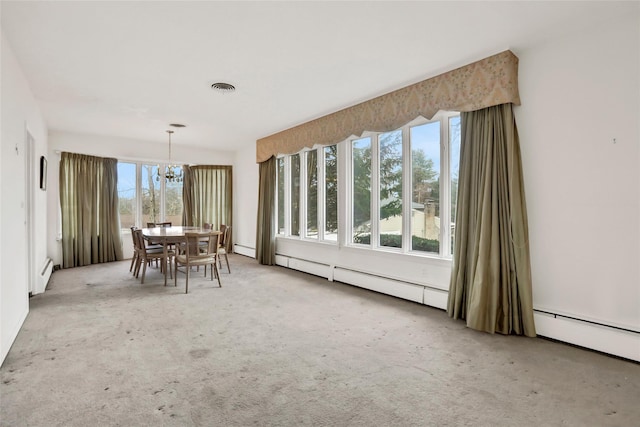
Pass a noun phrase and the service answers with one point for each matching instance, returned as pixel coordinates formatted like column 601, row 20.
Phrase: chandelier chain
column 171, row 172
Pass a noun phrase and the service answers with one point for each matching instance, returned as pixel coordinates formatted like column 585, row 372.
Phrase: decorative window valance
column 485, row 83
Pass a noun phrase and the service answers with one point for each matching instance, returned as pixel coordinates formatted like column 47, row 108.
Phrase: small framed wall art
column 43, row 173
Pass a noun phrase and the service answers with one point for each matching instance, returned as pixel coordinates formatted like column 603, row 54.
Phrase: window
column 295, row 194
column 425, row 187
column 281, row 201
column 390, row 185
column 314, row 204
column 173, row 200
column 330, row 193
column 127, row 194
column 145, row 197
column 150, row 195
column 454, row 144
column 361, row 190
column 399, row 191
column 311, row 188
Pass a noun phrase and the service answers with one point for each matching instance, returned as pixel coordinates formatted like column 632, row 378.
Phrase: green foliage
column 151, row 198
column 395, row 241
column 361, row 183
column 295, row 195
column 312, row 190
column 390, row 174
column 426, row 182
column 331, row 182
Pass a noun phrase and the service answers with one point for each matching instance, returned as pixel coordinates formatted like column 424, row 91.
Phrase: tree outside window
column 361, row 190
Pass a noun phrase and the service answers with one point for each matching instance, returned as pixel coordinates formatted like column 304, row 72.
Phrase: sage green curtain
column 207, row 195
column 89, row 207
column 491, row 279
column 187, row 196
column 266, row 226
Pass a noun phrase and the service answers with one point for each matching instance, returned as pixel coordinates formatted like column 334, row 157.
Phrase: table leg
column 166, row 258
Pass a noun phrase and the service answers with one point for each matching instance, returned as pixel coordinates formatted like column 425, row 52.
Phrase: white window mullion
column 345, row 201
column 163, row 187
column 303, row 194
column 445, row 189
column 348, row 194
column 322, row 197
column 287, row 196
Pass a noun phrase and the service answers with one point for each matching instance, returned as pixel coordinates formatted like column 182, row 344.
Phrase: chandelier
column 172, row 173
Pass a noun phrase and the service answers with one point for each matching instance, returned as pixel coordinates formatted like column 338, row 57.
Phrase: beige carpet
column 274, row 347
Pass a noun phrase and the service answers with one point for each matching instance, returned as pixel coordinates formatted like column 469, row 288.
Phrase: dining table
column 170, row 235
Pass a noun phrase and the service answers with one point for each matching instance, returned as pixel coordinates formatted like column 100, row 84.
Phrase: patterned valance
column 485, row 83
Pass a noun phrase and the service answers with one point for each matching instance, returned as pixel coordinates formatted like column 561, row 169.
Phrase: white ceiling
column 129, row 69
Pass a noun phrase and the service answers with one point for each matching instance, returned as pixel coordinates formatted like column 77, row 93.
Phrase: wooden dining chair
column 161, row 225
column 146, row 254
column 225, row 243
column 204, row 244
column 189, row 253
column 134, row 258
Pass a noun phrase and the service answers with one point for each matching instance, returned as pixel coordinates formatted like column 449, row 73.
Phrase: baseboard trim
column 244, row 250
column 602, row 338
column 612, row 340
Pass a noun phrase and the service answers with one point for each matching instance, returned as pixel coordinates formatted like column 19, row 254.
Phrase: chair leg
column 186, row 286
column 227, row 259
column 175, row 276
column 215, row 265
column 144, row 270
column 133, row 260
column 136, row 271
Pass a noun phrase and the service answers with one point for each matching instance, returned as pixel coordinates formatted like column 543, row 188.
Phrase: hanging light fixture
column 172, row 173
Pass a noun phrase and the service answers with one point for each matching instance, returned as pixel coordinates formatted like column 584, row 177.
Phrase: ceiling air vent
column 223, row 87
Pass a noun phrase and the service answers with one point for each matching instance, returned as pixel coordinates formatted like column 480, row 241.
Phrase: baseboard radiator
column 45, row 275
column 600, row 337
column 244, row 250
column 421, row 294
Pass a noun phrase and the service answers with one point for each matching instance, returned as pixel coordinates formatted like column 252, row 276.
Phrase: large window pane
column 312, row 193
column 150, row 194
column 390, row 145
column 281, row 195
column 173, row 200
column 454, row 141
column 331, row 193
column 361, row 190
column 295, row 195
column 127, row 194
column 425, row 187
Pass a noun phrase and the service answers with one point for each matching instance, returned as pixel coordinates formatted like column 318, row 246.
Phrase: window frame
column 345, row 191
column 303, row 208
column 138, row 180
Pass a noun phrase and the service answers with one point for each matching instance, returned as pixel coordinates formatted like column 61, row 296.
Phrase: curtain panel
column 266, row 223
column 488, row 82
column 491, row 279
column 207, row 195
column 89, row 210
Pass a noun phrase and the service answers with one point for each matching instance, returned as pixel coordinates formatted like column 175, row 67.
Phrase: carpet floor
column 276, row 347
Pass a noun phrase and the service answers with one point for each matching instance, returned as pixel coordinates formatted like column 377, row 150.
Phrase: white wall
column 245, row 199
column 122, row 149
column 579, row 93
column 19, row 114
